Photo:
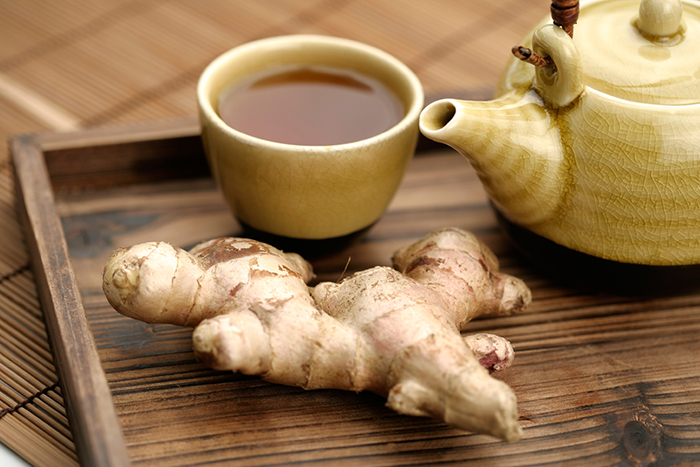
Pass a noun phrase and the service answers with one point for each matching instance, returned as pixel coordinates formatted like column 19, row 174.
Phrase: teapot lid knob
column 660, row 18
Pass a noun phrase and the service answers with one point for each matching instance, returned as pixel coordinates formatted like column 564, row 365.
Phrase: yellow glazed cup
column 308, row 192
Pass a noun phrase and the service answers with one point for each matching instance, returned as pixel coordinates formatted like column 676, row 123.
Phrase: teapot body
column 595, row 152
column 631, row 148
column 632, row 181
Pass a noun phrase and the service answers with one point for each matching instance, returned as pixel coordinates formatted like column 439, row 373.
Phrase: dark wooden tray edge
column 93, row 419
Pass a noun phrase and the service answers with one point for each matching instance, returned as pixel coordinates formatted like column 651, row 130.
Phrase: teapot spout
column 515, row 146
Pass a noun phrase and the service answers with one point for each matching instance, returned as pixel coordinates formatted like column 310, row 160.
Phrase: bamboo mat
column 71, row 64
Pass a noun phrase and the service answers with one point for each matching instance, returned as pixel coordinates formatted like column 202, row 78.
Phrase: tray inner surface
column 588, row 367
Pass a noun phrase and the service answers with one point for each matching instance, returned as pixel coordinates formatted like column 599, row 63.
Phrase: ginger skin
column 463, row 271
column 380, row 330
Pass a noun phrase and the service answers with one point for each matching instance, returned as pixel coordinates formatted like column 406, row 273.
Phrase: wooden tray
column 600, row 379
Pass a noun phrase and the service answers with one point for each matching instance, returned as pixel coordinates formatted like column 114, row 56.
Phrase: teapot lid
column 642, row 52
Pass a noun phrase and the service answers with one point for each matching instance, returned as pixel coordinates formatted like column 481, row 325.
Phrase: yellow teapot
column 597, row 150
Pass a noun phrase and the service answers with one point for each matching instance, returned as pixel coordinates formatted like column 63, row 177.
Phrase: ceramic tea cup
column 302, row 191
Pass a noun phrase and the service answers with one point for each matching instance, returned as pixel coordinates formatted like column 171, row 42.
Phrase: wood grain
column 601, row 379
column 98, row 437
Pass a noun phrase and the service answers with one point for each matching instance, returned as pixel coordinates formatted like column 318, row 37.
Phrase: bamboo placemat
column 71, row 64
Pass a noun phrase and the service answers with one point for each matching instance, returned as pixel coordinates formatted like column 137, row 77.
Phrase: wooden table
column 600, row 379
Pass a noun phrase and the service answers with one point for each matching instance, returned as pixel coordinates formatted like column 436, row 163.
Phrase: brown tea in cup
column 310, row 106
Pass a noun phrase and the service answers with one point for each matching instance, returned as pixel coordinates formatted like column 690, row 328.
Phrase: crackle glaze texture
column 601, row 153
column 309, row 192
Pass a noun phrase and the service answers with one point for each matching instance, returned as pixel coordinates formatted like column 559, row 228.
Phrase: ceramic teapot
column 598, row 150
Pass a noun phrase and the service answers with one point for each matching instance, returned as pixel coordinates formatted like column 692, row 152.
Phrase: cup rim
column 411, row 114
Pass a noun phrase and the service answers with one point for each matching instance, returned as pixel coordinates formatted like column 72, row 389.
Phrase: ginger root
column 395, row 332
